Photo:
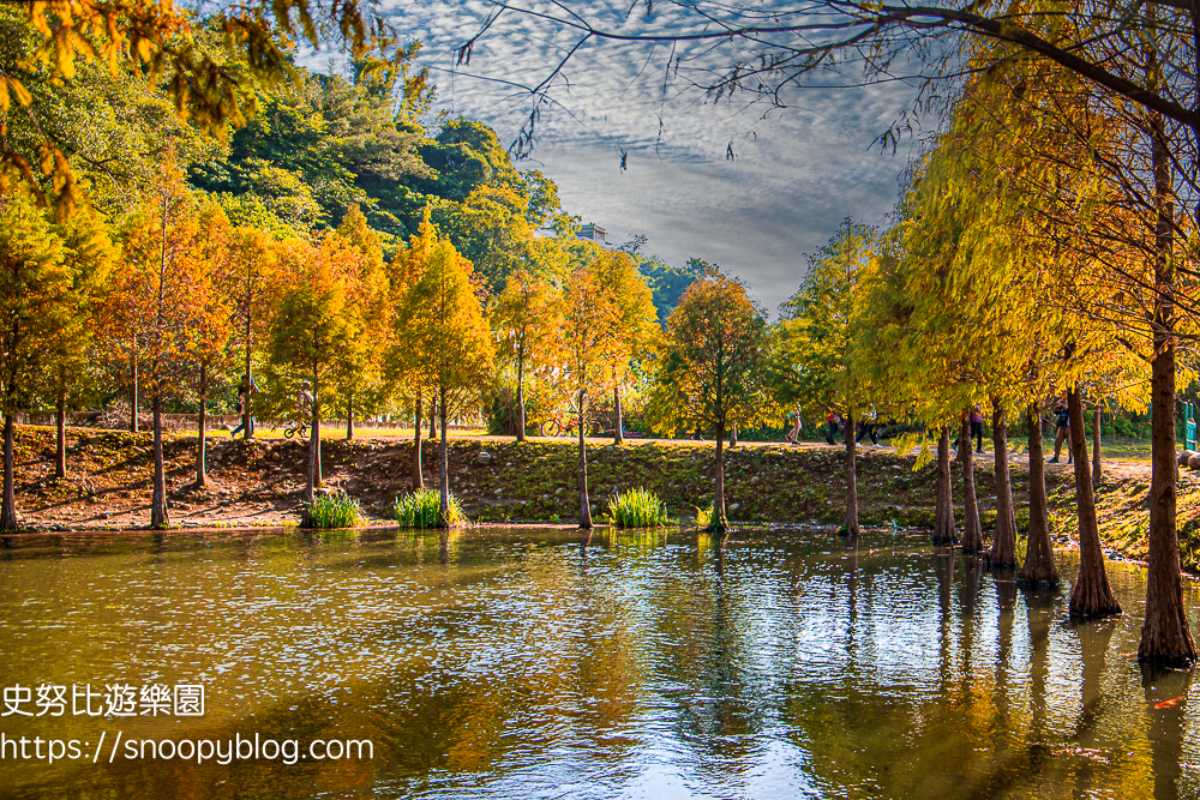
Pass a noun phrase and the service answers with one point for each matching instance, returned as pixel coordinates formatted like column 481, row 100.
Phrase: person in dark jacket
column 1062, row 428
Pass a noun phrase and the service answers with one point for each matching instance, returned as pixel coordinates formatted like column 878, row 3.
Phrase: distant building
column 594, row 233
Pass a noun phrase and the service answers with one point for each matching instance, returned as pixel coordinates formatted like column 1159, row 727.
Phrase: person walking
column 977, row 428
column 832, row 422
column 1062, row 427
column 243, row 399
column 793, row 436
column 868, row 427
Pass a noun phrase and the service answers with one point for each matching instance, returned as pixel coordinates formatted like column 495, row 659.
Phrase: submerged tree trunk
column 158, row 497
column 444, row 463
column 8, row 508
column 60, row 435
column 944, row 532
column 972, row 541
column 850, row 526
column 520, row 397
column 619, row 423
column 1003, row 554
column 585, row 504
column 1091, row 596
column 1038, row 569
column 1097, row 422
column 1166, row 638
column 350, row 416
column 133, row 390
column 720, row 519
column 418, row 476
column 202, row 427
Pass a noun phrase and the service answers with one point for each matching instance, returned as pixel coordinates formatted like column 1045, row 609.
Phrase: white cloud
column 796, row 174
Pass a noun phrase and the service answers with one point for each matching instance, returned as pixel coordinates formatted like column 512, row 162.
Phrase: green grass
column 336, row 510
column 423, row 509
column 1121, row 450
column 637, row 508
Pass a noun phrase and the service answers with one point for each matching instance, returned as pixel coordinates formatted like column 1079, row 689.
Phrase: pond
column 516, row 663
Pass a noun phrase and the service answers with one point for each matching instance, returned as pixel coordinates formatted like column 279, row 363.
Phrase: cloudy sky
column 797, row 171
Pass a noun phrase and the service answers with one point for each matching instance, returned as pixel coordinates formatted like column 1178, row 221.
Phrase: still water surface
column 520, row 664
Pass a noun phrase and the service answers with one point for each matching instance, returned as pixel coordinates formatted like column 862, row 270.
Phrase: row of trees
column 198, row 301
column 1042, row 250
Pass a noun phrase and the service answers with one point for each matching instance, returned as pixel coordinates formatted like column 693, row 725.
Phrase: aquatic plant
column 337, row 510
column 423, row 509
column 637, row 508
column 704, row 516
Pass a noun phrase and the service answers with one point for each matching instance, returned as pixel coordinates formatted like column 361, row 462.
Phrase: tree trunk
column 944, row 532
column 1097, row 422
column 8, row 509
column 1003, row 554
column 158, row 498
column 972, row 541
column 418, row 476
column 1038, row 569
column 247, row 412
column 585, row 505
column 851, row 527
column 60, row 435
column 433, row 418
column 619, row 431
column 318, row 472
column 720, row 518
column 202, row 426
column 350, row 417
column 1091, row 596
column 444, row 463
column 520, row 397
column 133, row 396
column 1166, row 638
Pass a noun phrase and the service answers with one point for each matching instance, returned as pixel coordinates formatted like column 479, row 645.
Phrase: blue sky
column 798, row 170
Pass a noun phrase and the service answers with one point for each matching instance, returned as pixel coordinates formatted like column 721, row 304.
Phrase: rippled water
column 521, row 664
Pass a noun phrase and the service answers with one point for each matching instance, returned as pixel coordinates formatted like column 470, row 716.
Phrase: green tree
column 712, row 374
column 308, row 336
column 818, row 334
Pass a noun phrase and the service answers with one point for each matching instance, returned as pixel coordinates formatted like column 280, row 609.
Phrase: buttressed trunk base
column 1003, row 554
column 944, row 532
column 972, row 541
column 1092, row 596
column 1038, row 569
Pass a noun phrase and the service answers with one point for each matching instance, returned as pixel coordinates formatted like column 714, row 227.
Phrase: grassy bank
column 260, row 483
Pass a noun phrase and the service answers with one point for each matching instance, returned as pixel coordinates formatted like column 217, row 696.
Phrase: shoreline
column 258, row 485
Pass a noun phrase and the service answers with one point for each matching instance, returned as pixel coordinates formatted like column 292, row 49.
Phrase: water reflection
column 531, row 664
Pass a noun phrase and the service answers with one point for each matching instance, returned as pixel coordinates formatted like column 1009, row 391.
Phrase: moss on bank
column 261, row 482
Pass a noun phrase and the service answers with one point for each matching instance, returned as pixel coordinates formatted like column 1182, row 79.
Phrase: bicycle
column 295, row 427
column 565, row 422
